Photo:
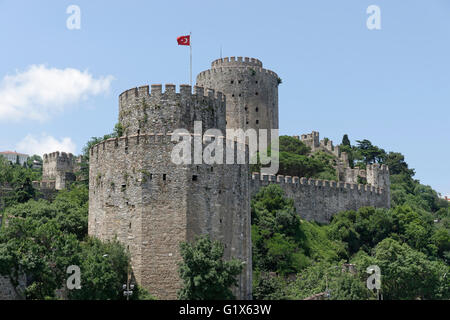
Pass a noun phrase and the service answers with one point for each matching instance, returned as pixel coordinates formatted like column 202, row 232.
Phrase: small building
column 36, row 164
column 15, row 157
column 447, row 198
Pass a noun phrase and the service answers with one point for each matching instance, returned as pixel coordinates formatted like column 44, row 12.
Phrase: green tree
column 331, row 279
column 294, row 160
column 269, row 287
column 293, row 145
column 41, row 239
column 370, row 153
column 118, row 131
column 406, row 273
column 346, row 140
column 30, row 161
column 205, row 275
column 104, row 269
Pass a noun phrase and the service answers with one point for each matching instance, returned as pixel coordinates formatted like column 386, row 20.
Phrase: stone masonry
column 57, row 171
column 150, row 204
column 251, row 91
column 138, row 195
column 319, row 200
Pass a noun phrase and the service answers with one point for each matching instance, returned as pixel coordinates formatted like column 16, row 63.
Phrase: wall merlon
column 170, row 90
column 199, row 91
column 144, row 91
column 156, row 90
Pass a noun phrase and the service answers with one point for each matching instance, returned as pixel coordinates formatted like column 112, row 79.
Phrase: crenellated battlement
column 149, row 109
column 204, row 75
column 296, row 181
column 251, row 91
column 57, row 170
column 236, row 62
column 377, row 167
column 63, row 156
column 154, row 142
column 151, row 193
column 313, row 141
column 185, row 91
column 318, row 200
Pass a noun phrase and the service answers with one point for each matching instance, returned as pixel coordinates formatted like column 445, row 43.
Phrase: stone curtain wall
column 319, row 200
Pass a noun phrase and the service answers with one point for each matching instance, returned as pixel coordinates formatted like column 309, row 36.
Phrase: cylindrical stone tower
column 251, row 92
column 139, row 195
column 142, row 112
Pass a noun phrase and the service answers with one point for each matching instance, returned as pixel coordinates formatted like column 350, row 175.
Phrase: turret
column 251, row 92
column 145, row 111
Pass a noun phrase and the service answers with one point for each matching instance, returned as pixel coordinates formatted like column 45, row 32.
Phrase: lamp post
column 128, row 288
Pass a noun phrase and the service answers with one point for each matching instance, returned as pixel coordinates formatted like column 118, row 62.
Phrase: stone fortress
column 58, row 171
column 139, row 196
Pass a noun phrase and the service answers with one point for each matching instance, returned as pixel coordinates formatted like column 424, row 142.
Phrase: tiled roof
column 13, row 152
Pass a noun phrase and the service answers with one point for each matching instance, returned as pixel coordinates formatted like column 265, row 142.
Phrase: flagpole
column 190, row 50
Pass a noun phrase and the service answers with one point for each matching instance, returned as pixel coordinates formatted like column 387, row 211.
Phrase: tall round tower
column 139, row 195
column 251, row 92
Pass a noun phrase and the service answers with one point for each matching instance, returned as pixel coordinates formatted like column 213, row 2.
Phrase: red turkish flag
column 184, row 40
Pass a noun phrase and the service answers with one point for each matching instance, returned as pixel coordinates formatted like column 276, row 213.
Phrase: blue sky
column 391, row 86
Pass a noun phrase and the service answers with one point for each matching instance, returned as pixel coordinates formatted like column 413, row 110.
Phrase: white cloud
column 45, row 144
column 40, row 92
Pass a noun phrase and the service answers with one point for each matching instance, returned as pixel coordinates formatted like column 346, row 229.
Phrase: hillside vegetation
column 292, row 258
column 41, row 239
column 295, row 259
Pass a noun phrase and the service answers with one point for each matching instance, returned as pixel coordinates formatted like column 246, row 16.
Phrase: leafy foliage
column 406, row 273
column 295, row 160
column 19, row 179
column 408, row 245
column 206, row 276
column 104, row 270
column 117, row 133
column 284, row 245
column 41, row 239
